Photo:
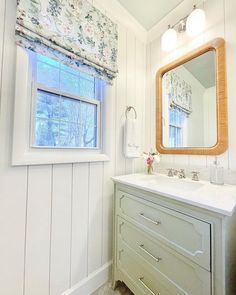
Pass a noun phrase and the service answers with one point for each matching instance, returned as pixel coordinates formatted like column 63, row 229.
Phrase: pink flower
column 89, row 30
column 45, row 21
column 150, row 160
column 107, row 52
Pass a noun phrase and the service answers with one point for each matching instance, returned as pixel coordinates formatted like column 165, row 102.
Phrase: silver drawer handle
column 157, row 259
column 149, row 219
column 146, row 287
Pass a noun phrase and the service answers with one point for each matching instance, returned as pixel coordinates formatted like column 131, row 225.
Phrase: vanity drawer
column 146, row 280
column 185, row 234
column 149, row 280
column 184, row 273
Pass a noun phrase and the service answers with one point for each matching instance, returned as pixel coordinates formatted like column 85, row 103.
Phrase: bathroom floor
column 107, row 290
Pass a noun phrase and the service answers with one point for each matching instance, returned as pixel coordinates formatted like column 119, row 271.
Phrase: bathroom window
column 59, row 114
column 177, row 119
column 66, row 109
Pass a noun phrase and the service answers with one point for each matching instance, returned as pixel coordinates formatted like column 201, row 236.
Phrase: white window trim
column 22, row 151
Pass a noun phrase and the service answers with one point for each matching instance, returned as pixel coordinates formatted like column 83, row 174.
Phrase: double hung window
column 66, row 106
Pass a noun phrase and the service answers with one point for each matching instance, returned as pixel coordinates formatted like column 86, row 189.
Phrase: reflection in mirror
column 189, row 104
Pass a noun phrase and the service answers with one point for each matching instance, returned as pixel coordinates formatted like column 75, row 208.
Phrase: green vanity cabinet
column 167, row 247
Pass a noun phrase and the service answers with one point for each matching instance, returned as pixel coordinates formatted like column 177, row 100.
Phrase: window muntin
column 67, row 107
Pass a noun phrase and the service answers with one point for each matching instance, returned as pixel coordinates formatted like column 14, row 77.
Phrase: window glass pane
column 171, row 115
column 87, row 88
column 170, row 137
column 70, row 110
column 69, row 83
column 47, row 75
column 70, row 135
column 47, row 60
column 76, row 139
column 48, row 105
column 177, row 120
column 88, row 118
column 87, row 77
column 46, row 133
column 64, row 133
column 99, row 89
column 69, row 69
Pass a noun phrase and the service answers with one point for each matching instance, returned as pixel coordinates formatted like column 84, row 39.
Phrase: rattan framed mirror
column 191, row 101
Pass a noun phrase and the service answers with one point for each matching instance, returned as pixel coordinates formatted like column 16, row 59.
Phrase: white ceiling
column 148, row 13
column 203, row 69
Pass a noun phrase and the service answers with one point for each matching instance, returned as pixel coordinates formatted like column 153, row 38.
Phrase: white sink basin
column 175, row 183
column 171, row 183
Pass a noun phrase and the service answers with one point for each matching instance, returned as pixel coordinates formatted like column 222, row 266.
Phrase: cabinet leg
column 114, row 285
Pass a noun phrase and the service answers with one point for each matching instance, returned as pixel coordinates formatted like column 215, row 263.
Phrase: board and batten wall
column 56, row 220
column 221, row 22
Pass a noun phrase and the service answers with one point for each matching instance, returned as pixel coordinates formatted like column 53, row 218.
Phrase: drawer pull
column 149, row 219
column 157, row 259
column 146, row 287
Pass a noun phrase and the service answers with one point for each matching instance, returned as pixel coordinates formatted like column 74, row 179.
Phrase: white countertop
column 216, row 198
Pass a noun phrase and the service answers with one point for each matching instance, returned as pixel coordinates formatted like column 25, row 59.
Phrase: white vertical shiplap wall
column 56, row 220
column 221, row 22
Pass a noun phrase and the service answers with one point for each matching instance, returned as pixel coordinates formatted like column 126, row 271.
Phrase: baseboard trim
column 90, row 284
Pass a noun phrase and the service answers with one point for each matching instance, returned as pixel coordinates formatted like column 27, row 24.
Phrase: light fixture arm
column 181, row 23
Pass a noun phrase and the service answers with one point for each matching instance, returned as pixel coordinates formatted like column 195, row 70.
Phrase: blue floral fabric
column 71, row 31
column 179, row 92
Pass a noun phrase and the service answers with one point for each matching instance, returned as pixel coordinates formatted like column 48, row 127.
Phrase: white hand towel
column 131, row 145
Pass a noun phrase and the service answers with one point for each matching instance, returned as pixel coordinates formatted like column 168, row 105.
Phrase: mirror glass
column 189, row 103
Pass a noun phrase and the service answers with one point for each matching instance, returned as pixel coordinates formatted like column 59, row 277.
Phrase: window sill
column 39, row 158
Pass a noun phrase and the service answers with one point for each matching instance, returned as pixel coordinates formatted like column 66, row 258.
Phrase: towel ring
column 128, row 109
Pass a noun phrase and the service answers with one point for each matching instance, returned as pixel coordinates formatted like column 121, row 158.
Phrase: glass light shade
column 196, row 22
column 169, row 40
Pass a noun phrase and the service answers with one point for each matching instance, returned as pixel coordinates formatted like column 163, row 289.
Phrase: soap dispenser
column 217, row 173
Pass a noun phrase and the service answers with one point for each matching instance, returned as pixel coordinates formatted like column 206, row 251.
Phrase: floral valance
column 179, row 92
column 71, row 31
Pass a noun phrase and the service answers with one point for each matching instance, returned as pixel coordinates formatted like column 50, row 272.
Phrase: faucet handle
column 181, row 173
column 170, row 172
column 195, row 175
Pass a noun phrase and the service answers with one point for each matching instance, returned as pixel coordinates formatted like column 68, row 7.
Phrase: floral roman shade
column 71, row 31
column 179, row 92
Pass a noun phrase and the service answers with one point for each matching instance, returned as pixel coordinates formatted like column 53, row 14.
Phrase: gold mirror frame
column 217, row 45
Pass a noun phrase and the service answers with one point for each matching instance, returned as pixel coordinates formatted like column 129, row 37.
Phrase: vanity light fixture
column 195, row 22
column 192, row 24
column 169, row 39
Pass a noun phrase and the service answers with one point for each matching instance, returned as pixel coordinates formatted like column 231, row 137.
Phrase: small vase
column 149, row 169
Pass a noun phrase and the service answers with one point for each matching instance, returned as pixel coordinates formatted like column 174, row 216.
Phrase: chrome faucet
column 195, row 175
column 173, row 172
